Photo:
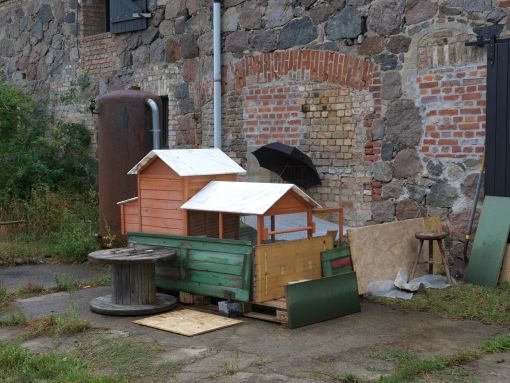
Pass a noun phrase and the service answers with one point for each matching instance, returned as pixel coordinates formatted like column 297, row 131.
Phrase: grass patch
column 20, row 365
column 58, row 226
column 409, row 366
column 55, row 326
column 494, row 344
column 127, row 358
column 489, row 305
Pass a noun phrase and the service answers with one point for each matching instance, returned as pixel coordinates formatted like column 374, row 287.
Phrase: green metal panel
column 490, row 242
column 205, row 266
column 328, row 256
column 322, row 299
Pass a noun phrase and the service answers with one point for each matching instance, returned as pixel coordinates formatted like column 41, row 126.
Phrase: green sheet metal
column 322, row 299
column 329, row 257
column 205, row 266
column 490, row 242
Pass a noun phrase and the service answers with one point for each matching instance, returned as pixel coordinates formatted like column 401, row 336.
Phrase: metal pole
column 217, row 72
column 155, row 122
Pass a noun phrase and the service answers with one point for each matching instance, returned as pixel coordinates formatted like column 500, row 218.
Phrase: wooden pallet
column 272, row 311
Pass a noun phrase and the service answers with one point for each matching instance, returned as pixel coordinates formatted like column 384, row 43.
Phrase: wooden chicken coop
column 168, row 178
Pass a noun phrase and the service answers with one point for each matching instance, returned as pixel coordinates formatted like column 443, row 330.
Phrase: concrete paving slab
column 257, row 349
column 44, row 275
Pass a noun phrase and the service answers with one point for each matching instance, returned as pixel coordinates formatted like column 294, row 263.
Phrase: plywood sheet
column 187, row 322
column 277, row 264
column 490, row 242
column 379, row 251
column 504, row 275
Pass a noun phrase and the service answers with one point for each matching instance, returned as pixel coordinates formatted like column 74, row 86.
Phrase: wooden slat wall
column 288, row 204
column 161, row 195
column 201, row 223
column 130, row 219
column 277, row 264
column 204, row 266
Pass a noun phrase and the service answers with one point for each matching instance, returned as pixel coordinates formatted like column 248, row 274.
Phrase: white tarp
column 192, row 162
column 242, row 197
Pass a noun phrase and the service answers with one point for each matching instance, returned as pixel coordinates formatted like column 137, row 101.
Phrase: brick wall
column 454, row 106
column 92, row 17
column 96, row 54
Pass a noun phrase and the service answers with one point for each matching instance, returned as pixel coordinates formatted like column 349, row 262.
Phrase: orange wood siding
column 159, row 169
column 197, row 183
column 129, row 217
column 290, row 203
column 203, row 223
column 161, row 193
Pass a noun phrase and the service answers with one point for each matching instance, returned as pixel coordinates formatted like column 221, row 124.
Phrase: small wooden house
column 168, row 178
column 222, row 203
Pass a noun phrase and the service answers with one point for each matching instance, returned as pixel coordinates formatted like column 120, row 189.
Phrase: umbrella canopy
column 291, row 164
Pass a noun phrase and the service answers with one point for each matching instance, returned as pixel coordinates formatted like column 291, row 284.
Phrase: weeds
column 65, row 283
column 126, row 358
column 20, row 365
column 14, row 318
column 463, row 301
column 56, row 227
column 55, row 326
column 497, row 344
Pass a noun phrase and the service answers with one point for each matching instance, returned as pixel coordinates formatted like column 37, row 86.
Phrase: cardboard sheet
column 379, row 251
column 187, row 322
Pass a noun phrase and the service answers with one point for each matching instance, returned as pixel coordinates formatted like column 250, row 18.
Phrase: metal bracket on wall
column 491, row 42
column 142, row 15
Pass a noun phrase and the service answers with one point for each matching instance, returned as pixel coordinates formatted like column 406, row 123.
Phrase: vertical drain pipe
column 217, row 72
column 155, row 122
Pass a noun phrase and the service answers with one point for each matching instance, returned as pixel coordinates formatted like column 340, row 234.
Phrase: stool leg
column 445, row 261
column 416, row 260
column 431, row 256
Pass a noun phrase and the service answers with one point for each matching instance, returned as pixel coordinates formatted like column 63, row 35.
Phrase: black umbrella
column 290, row 163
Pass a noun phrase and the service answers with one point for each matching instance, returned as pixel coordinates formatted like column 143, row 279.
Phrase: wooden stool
column 431, row 237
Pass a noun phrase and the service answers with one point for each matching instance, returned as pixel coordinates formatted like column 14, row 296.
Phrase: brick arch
column 302, row 65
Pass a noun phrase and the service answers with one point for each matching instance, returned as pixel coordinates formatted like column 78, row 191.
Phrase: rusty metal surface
column 124, row 138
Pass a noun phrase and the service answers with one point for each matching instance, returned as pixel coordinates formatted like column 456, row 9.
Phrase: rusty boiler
column 125, row 136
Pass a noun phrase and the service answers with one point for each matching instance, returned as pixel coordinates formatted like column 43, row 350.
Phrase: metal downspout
column 217, row 72
column 155, row 123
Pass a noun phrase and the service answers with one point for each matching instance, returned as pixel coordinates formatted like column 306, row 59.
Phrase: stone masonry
column 382, row 94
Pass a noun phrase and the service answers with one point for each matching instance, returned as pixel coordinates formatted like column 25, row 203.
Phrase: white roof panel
column 241, row 197
column 192, row 162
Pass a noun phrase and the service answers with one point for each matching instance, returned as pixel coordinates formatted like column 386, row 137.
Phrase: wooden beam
column 273, row 227
column 220, row 225
column 260, row 229
column 309, row 223
column 284, row 231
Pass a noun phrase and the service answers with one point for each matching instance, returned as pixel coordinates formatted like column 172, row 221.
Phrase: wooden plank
column 277, row 264
column 161, row 184
column 226, row 246
column 215, row 267
column 187, row 322
column 322, row 299
column 379, row 251
column 162, row 230
column 239, row 294
column 490, row 242
column 291, row 202
column 336, row 261
column 161, row 194
column 162, row 213
column 160, row 204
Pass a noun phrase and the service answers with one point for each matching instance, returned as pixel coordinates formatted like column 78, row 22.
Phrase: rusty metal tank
column 124, row 138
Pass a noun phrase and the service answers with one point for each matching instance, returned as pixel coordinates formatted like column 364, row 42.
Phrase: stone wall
column 415, row 92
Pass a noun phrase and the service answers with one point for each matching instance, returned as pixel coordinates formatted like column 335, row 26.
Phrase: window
column 116, row 16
